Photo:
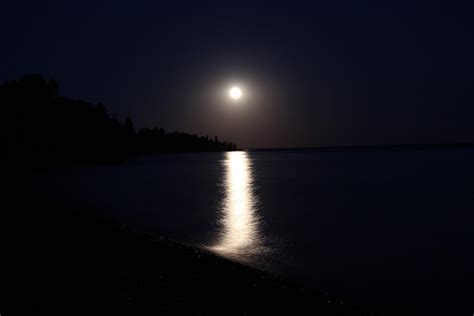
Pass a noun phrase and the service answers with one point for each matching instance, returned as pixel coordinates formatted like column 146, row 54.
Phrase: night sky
column 313, row 74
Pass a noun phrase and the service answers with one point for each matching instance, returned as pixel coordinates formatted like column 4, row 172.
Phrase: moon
column 235, row 93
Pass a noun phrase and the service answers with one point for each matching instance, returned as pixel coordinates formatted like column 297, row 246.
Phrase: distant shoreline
column 373, row 147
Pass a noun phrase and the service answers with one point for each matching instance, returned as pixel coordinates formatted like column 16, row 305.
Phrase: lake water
column 394, row 228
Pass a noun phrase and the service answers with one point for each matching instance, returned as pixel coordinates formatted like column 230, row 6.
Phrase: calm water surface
column 378, row 227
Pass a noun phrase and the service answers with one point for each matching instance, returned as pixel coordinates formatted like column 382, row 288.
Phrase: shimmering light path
column 239, row 237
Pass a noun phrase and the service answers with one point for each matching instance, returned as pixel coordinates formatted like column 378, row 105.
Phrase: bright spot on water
column 239, row 236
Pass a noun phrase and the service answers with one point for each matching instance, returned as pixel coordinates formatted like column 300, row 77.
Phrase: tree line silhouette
column 39, row 126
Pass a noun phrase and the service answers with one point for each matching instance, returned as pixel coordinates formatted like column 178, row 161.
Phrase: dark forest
column 43, row 128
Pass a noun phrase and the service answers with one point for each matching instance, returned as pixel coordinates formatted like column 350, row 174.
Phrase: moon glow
column 235, row 93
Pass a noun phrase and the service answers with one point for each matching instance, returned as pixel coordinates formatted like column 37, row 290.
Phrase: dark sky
column 313, row 73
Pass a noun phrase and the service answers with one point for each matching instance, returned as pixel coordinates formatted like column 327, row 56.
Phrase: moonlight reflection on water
column 239, row 237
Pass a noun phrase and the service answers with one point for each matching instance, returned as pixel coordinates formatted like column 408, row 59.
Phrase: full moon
column 235, row 93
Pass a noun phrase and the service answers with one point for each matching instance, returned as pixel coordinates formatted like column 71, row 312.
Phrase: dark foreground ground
column 62, row 261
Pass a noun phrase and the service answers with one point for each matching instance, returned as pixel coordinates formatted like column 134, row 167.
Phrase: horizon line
column 454, row 145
